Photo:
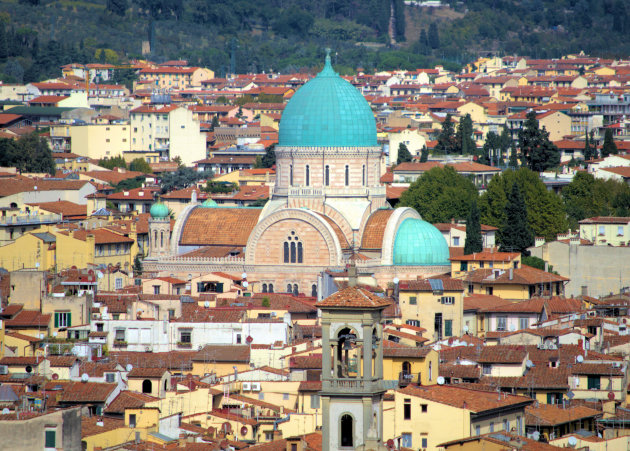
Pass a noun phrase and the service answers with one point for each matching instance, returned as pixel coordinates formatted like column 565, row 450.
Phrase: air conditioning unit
column 148, row 348
column 4, row 369
column 247, row 386
column 255, row 386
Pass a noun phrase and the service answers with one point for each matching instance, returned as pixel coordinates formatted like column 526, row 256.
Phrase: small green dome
column 419, row 243
column 327, row 111
column 209, row 203
column 159, row 210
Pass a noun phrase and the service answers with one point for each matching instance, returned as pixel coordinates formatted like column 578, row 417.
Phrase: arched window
column 406, row 368
column 293, row 254
column 293, row 249
column 327, row 176
column 286, row 252
column 363, row 175
column 314, row 291
column 264, row 287
column 147, row 386
column 289, row 288
column 347, row 432
column 165, row 385
column 430, row 371
column 295, row 289
column 291, row 175
column 270, row 288
column 347, row 176
column 161, row 239
column 155, row 238
column 299, row 250
column 308, row 175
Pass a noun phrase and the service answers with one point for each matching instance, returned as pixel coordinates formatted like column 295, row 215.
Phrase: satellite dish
column 99, row 275
column 465, row 328
column 206, row 304
column 85, row 377
column 440, row 380
column 529, row 364
column 29, row 369
column 245, row 283
column 390, row 443
column 536, row 435
column 580, row 359
column 129, row 367
column 244, row 430
column 512, row 327
column 244, row 275
column 55, row 334
column 611, row 395
column 572, row 441
column 396, row 280
column 55, row 376
column 5, row 411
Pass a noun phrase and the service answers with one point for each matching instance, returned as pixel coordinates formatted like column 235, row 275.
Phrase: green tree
column 513, row 162
column 440, row 194
column 589, row 147
column 215, row 123
column 182, row 178
column 537, row 151
column 269, row 159
column 434, row 36
column 545, row 209
column 609, row 147
column 403, row 154
column 137, row 265
column 515, row 235
column 446, row 141
column 113, row 162
column 127, row 184
column 140, row 165
column 536, row 262
column 117, row 7
column 424, row 154
column 4, row 46
column 30, row 153
column 474, row 241
column 463, row 136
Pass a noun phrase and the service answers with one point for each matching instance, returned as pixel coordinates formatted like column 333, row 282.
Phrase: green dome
column 209, row 203
column 159, row 210
column 419, row 243
column 327, row 111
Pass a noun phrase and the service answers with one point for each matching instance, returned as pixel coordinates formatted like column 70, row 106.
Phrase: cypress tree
column 424, row 154
column 609, row 147
column 515, row 235
column 403, row 154
column 474, row 242
column 588, row 150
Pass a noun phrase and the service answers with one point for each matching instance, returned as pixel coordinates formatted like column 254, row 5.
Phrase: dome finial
column 328, row 69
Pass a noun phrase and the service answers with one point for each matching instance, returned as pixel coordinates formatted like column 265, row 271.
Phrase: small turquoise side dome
column 209, row 203
column 419, row 243
column 327, row 112
column 159, row 210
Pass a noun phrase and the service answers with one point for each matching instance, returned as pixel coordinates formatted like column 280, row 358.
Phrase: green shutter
column 448, row 328
column 51, row 439
column 219, row 288
column 56, row 320
column 69, row 319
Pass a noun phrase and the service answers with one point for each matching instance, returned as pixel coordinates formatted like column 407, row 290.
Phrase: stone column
column 367, row 352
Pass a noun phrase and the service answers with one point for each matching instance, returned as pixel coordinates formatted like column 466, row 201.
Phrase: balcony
column 321, row 191
column 29, row 220
column 405, row 378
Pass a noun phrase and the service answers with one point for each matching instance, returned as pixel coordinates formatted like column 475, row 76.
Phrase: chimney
column 546, row 266
column 511, row 273
column 193, row 196
column 352, row 275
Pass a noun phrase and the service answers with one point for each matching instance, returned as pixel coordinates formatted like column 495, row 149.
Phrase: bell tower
column 159, row 231
column 352, row 369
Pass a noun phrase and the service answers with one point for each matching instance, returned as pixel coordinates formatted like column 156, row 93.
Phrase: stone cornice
column 327, row 152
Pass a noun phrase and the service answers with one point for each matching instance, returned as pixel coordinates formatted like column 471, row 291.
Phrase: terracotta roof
column 19, row 361
column 113, row 177
column 310, row 386
column 551, row 415
column 353, row 297
column 606, row 220
column 448, row 283
column 175, row 361
column 102, row 236
column 29, row 318
column 535, row 305
column 24, row 337
column 86, row 392
column 483, row 301
column 97, row 369
column 90, row 427
column 223, row 353
column 525, row 275
column 128, row 400
column 219, row 226
column 20, row 184
column 375, row 229
column 306, row 362
column 62, row 361
column 405, row 351
column 536, row 377
column 501, row 354
column 488, row 256
column 476, row 401
column 602, row 369
column 148, row 373
column 461, row 371
column 11, row 310
column 67, row 209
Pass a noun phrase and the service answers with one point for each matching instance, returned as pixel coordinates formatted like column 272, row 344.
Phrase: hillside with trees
column 37, row 36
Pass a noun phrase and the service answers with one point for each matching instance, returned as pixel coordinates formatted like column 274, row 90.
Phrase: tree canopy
column 403, row 154
column 446, row 140
column 609, row 147
column 537, row 151
column 515, row 235
column 546, row 214
column 182, row 178
column 474, row 240
column 440, row 195
column 140, row 165
column 30, row 153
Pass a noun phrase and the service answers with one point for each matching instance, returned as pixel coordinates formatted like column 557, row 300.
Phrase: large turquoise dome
column 159, row 210
column 327, row 111
column 419, row 243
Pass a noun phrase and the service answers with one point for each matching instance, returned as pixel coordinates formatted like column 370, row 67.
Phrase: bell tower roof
column 355, row 298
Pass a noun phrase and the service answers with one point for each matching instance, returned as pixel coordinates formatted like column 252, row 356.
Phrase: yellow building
column 436, row 305
column 94, row 141
column 221, row 360
column 150, row 381
column 176, row 77
column 32, row 250
column 503, row 261
column 425, row 417
column 410, row 365
column 606, row 230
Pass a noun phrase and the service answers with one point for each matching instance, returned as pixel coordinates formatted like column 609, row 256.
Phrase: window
column 463, row 266
column 308, row 175
column 289, row 288
column 448, row 327
column 430, row 371
column 406, row 440
column 506, row 425
column 50, row 440
column 110, row 377
column 132, row 420
column 261, row 396
column 313, row 291
column 291, row 175
column 424, row 408
column 63, row 319
column 286, row 252
column 270, row 288
column 119, row 283
column 501, row 322
column 519, row 426
column 238, row 339
column 285, row 396
column 491, row 426
column 470, row 288
column 347, row 431
column 147, row 386
column 119, row 334
column 437, row 325
column 619, row 230
column 185, row 336
column 293, row 250
column 295, row 289
column 264, row 287
column 363, row 175
column 425, row 442
column 523, row 323
column 490, row 291
column 487, row 369
column 413, row 322
column 449, row 300
column 327, row 176
column 407, row 409
column 481, row 264
column 456, row 241
column 477, row 430
column 314, row 401
column 347, row 176
column 594, row 383
column 413, row 300
column 601, row 230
